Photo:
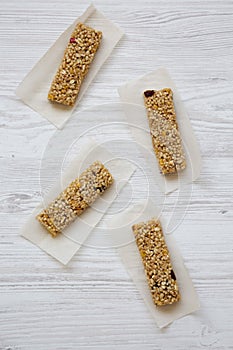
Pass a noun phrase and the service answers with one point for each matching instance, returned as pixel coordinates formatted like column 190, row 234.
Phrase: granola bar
column 80, row 52
column 156, row 260
column 76, row 198
column 164, row 129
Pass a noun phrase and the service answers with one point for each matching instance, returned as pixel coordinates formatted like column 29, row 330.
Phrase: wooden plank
column 92, row 304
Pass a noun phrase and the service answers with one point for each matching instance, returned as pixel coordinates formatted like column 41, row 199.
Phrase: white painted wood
column 92, row 304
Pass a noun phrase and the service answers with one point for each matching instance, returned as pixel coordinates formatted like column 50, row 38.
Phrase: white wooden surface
column 92, row 304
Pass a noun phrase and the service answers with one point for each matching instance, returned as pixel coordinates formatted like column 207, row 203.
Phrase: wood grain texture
column 92, row 303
